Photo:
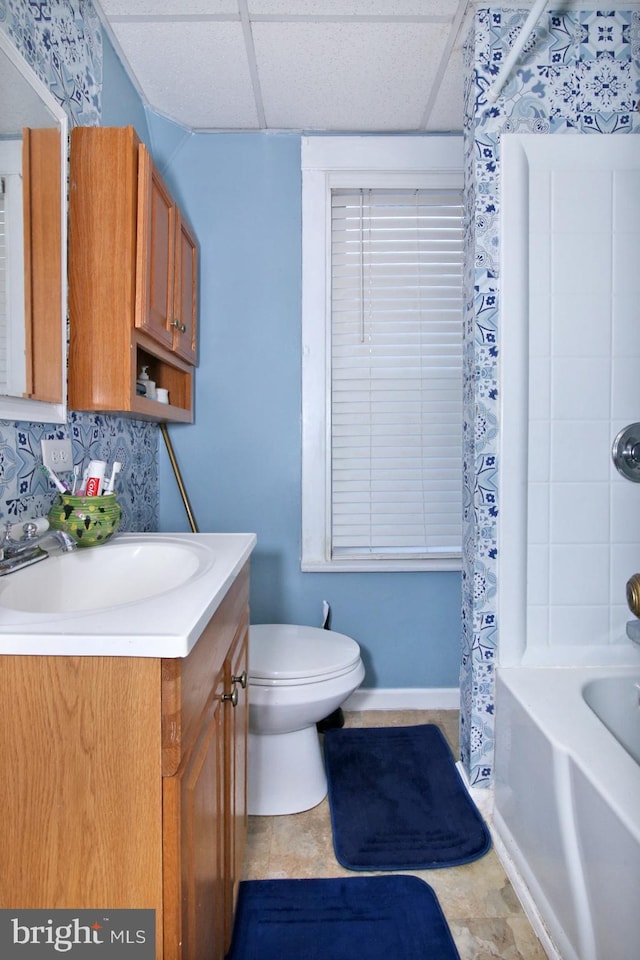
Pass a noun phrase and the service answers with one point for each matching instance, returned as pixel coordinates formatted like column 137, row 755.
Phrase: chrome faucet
column 29, row 548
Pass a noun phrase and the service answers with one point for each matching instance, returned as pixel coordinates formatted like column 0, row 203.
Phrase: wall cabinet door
column 185, row 311
column 155, row 254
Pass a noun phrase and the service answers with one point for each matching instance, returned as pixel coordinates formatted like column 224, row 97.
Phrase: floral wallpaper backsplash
column 62, row 41
column 579, row 72
column 26, row 492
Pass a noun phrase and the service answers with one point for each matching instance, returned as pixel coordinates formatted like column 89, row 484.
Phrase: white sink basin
column 140, row 595
column 102, row 577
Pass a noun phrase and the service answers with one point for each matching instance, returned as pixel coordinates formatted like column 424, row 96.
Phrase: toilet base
column 286, row 772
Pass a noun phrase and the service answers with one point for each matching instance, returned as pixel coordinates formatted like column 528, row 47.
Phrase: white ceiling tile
column 360, row 8
column 197, row 75
column 163, row 8
column 447, row 113
column 346, row 76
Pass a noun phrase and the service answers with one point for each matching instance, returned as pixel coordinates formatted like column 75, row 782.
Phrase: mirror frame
column 26, row 408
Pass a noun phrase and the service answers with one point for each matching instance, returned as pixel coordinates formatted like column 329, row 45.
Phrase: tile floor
column 477, row 899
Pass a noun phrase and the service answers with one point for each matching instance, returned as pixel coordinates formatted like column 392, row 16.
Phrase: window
column 382, row 353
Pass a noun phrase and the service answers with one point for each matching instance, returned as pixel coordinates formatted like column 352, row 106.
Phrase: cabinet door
column 155, row 253
column 186, row 293
column 236, row 735
column 193, row 845
column 42, row 243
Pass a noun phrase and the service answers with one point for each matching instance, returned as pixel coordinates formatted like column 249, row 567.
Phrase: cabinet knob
column 178, row 326
column 231, row 697
column 242, row 679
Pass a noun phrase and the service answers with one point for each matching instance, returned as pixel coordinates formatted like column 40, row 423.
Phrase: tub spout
column 633, row 630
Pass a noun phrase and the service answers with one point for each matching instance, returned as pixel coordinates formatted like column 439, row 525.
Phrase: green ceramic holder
column 89, row 520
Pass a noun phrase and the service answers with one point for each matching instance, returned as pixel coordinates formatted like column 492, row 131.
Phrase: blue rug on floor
column 377, row 918
column 397, row 801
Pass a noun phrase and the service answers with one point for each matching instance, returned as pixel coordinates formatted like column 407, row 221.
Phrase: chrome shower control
column 626, row 452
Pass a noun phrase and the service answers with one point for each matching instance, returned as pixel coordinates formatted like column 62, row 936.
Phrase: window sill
column 381, row 566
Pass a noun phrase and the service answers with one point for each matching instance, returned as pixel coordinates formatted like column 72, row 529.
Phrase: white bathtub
column 567, row 802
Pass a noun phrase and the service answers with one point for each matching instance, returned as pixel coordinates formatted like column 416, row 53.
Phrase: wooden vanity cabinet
column 125, row 783
column 133, row 295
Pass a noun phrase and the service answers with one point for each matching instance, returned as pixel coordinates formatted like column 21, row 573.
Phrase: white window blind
column 396, row 373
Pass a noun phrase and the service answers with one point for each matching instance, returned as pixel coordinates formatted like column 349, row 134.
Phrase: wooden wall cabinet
column 125, row 783
column 133, row 264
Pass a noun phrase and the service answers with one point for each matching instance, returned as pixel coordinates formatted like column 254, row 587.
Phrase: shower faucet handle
column 625, row 452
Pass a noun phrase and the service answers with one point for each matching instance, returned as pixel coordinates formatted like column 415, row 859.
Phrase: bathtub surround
column 579, row 73
column 64, row 45
column 570, row 523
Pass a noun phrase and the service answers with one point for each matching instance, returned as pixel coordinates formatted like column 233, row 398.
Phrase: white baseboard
column 405, row 698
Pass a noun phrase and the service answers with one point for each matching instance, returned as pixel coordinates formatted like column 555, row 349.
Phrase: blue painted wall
column 241, row 459
column 121, row 103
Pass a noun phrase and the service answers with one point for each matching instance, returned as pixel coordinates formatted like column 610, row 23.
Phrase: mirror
column 33, row 245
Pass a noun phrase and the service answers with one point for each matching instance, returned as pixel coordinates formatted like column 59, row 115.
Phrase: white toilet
column 297, row 676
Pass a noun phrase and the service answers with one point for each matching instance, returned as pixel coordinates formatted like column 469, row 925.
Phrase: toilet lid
column 283, row 651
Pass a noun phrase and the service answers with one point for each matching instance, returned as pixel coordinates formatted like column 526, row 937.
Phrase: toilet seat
column 283, row 654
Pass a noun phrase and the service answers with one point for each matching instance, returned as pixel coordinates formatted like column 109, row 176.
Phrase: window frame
column 400, row 162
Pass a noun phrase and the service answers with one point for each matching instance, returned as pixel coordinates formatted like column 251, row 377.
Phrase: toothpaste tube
column 95, row 478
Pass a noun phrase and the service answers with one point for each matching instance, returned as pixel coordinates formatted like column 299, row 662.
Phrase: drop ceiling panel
column 356, row 65
column 447, row 113
column 197, row 75
column 361, row 8
column 164, row 8
column 346, row 76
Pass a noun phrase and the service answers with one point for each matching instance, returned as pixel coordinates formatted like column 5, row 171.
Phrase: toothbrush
column 76, row 474
column 117, row 467
column 60, row 486
column 85, row 477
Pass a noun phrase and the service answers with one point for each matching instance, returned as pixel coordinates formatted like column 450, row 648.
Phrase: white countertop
column 165, row 625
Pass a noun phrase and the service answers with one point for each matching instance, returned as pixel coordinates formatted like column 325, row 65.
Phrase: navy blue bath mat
column 397, row 801
column 377, row 918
